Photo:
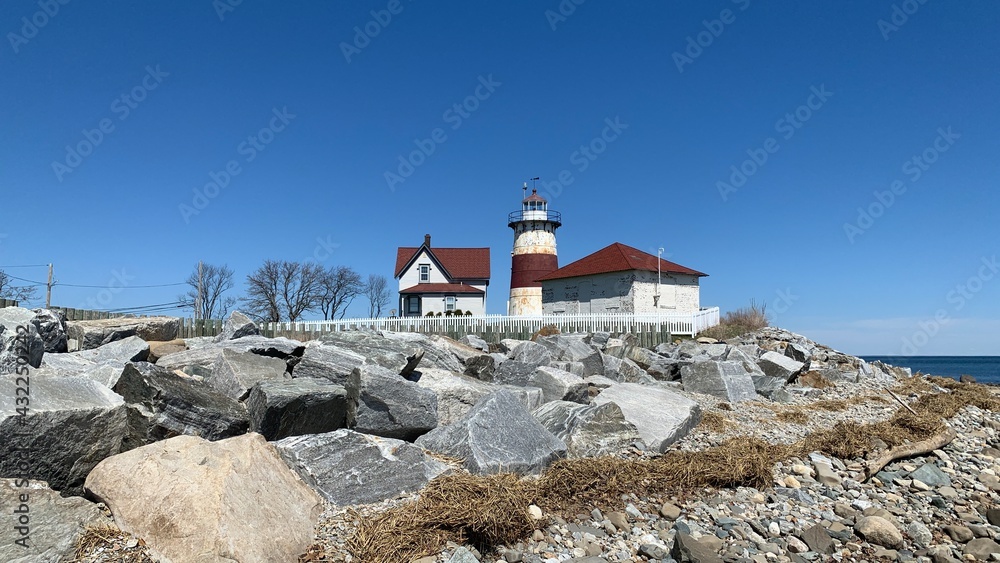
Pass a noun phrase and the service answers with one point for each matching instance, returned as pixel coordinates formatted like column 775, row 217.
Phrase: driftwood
column 935, row 442
column 895, row 396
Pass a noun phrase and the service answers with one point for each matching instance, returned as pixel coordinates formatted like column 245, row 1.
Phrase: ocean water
column 986, row 369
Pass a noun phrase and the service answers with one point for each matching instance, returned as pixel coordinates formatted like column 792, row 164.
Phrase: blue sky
column 837, row 161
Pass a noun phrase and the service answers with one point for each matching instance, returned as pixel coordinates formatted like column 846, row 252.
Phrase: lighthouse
column 534, row 253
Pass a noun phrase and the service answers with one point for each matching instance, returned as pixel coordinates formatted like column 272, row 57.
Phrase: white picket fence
column 504, row 326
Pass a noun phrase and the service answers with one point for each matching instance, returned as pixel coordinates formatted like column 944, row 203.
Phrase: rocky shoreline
column 348, row 430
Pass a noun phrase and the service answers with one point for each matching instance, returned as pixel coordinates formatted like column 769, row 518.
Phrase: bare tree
column 261, row 300
column 340, row 286
column 215, row 280
column 283, row 290
column 19, row 293
column 377, row 292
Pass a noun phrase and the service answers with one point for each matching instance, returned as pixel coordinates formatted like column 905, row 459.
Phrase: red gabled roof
column 460, row 263
column 442, row 288
column 617, row 258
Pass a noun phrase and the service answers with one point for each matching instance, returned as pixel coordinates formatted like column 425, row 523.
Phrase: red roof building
column 442, row 280
column 621, row 279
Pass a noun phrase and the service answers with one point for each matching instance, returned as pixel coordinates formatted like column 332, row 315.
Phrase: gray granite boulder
column 726, row 380
column 475, row 342
column 84, row 335
column 588, row 430
column 559, row 385
column 236, row 326
column 390, row 349
column 347, row 467
column 574, row 348
column 279, row 408
column 70, row 425
column 531, row 354
column 20, row 342
column 661, row 416
column 741, row 355
column 235, row 373
column 497, row 435
column 457, row 393
column 193, row 361
column 624, row 370
column 169, row 405
column 774, row 364
column 128, row 349
column 51, row 325
column 393, row 407
column 55, row 522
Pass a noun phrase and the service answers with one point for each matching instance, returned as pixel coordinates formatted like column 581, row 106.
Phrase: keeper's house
column 621, row 279
column 442, row 280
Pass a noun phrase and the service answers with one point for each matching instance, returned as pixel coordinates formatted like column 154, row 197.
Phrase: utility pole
column 48, row 289
column 197, row 302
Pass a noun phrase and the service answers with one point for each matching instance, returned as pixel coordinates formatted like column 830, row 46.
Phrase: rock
column 661, row 416
column 159, row 349
column 481, row 367
column 748, row 360
column 15, row 321
column 129, row 349
column 280, row 347
column 335, row 364
column 170, row 405
column 412, row 361
column 817, row 539
column 964, row 378
column 457, row 393
column 921, row 535
column 498, row 434
column 653, row 551
column 559, row 385
column 280, row 408
column 627, row 371
column 347, row 467
column 824, row 470
column 767, row 385
column 587, row 430
column 237, row 325
column 961, row 534
column 531, row 354
column 879, row 531
column 993, row 516
column 463, row 555
column 51, row 326
column 574, row 348
column 981, row 548
column 774, row 364
column 193, row 361
column 234, row 373
column 72, row 424
column 931, row 475
column 54, row 522
column 797, row 352
column 476, row 342
column 670, row 511
column 774, row 530
column 706, row 340
column 726, row 380
column 390, row 349
column 393, row 407
column 194, row 500
column 92, row 334
column 686, row 549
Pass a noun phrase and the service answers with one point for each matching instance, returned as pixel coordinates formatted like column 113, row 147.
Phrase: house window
column 413, row 305
column 425, row 273
column 449, row 303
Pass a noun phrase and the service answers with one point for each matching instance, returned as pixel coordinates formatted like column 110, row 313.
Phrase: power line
column 105, row 286
column 26, row 266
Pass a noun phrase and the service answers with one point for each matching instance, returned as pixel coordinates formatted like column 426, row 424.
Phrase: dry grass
column 739, row 322
column 794, row 416
column 108, row 543
column 492, row 510
column 815, row 380
column 714, row 422
column 830, row 405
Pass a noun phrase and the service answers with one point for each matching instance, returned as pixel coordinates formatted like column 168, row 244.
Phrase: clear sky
column 837, row 161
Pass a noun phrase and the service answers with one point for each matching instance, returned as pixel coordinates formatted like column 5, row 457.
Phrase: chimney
column 427, row 241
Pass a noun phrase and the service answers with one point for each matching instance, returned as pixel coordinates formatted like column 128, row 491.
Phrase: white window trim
column 421, row 273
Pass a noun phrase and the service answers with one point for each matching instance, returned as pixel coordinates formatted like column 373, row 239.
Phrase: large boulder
column 726, row 380
column 234, row 373
column 394, row 407
column 531, row 354
column 193, row 361
column 20, row 342
column 347, row 467
column 661, row 416
column 194, row 500
column 51, row 325
column 588, row 430
column 128, row 349
column 158, row 349
column 84, row 335
column 236, row 326
column 280, row 347
column 457, row 393
column 329, row 361
column 475, row 342
column 52, row 523
column 559, row 385
column 574, row 348
column 624, row 370
column 391, row 349
column 292, row 407
column 774, row 364
column 169, row 405
column 70, row 424
column 497, row 435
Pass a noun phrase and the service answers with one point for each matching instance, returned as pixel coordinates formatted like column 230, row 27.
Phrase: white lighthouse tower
column 534, row 253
